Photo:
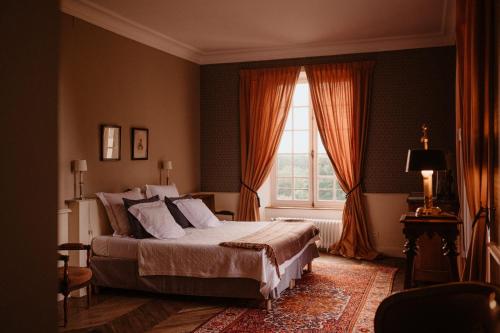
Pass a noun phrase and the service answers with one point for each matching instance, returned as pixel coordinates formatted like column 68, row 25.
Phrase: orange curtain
column 265, row 97
column 340, row 95
column 474, row 121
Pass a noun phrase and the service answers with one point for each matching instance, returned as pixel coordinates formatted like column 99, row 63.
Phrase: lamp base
column 422, row 211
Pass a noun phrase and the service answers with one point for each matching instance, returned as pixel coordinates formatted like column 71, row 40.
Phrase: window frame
column 313, row 201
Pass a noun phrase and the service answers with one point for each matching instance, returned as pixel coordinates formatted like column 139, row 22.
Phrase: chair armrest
column 225, row 212
column 73, row 246
column 63, row 257
column 76, row 247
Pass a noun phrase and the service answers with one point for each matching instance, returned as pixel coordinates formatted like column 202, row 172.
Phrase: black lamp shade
column 430, row 159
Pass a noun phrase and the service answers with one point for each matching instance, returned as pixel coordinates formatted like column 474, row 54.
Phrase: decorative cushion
column 198, row 214
column 115, row 209
column 137, row 229
column 157, row 220
column 76, row 276
column 162, row 191
column 176, row 213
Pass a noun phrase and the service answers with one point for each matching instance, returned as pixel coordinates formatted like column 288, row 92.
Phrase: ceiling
column 219, row 31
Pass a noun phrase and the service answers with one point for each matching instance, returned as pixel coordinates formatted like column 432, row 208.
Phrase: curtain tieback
column 352, row 189
column 251, row 190
column 478, row 216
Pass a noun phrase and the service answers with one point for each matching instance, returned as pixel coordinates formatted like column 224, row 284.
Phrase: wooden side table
column 445, row 226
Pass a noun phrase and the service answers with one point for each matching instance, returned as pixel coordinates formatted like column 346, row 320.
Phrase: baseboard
column 395, row 251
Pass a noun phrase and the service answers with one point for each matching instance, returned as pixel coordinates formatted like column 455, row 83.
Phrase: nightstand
column 445, row 226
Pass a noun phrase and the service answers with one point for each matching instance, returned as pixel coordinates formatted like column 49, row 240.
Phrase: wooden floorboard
column 130, row 311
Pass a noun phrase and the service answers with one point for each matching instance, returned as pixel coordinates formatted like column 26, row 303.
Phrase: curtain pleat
column 340, row 96
column 474, row 122
column 265, row 98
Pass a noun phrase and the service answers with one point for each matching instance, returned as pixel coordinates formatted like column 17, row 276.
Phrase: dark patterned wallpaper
column 409, row 87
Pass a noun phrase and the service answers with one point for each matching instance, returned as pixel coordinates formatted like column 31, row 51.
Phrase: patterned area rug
column 334, row 298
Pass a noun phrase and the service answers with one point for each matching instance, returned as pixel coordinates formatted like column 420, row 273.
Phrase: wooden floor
column 128, row 311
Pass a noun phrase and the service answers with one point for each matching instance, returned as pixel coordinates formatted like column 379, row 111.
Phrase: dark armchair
column 71, row 277
column 452, row 307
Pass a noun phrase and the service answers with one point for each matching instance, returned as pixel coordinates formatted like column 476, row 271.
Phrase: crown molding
column 120, row 25
column 109, row 20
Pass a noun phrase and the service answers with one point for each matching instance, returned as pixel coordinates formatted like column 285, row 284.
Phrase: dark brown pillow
column 176, row 212
column 138, row 230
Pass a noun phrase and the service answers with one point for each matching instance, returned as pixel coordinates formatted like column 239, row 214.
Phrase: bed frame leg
column 292, row 284
column 269, row 304
column 310, row 267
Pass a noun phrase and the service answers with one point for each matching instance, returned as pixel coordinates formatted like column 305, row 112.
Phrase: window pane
column 301, row 118
column 301, row 94
column 321, row 148
column 285, row 183
column 324, row 165
column 301, row 165
column 339, row 194
column 302, row 183
column 325, row 195
column 301, row 142
column 301, row 194
column 286, row 143
column 288, row 124
column 284, row 165
column 325, row 183
column 284, row 194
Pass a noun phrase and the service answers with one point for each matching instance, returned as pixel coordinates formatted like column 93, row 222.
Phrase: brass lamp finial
column 425, row 138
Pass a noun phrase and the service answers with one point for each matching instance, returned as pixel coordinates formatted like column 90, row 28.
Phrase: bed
column 197, row 265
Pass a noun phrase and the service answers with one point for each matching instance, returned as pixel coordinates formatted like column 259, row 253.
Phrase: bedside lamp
column 169, row 166
column 80, row 166
column 426, row 161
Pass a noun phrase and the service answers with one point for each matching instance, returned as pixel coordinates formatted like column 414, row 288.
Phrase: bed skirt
column 124, row 274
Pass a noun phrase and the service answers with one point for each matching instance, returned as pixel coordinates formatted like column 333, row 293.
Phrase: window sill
column 306, row 208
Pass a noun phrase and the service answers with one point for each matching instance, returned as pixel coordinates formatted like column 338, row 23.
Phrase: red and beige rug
column 334, row 298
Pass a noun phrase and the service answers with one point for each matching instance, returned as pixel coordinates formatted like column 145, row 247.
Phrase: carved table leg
column 410, row 251
column 450, row 251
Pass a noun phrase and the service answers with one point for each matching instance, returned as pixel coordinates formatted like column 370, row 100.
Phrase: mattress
column 197, row 254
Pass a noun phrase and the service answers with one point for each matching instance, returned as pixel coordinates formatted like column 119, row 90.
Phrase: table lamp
column 426, row 161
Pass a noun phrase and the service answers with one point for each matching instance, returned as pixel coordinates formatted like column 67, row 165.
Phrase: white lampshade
column 80, row 165
column 169, row 165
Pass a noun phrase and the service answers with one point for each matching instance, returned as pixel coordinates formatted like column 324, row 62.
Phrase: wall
column 409, row 87
column 28, row 177
column 108, row 79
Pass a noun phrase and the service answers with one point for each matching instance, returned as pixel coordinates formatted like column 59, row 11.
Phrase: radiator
column 329, row 230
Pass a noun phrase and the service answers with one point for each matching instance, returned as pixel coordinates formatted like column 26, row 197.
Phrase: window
column 303, row 175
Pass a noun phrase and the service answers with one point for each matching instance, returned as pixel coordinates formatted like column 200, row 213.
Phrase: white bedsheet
column 198, row 254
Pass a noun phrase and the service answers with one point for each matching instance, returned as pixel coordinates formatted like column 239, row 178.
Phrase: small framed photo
column 110, row 142
column 139, row 143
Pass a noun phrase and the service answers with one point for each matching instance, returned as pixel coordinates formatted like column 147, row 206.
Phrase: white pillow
column 197, row 213
column 162, row 191
column 157, row 220
column 115, row 209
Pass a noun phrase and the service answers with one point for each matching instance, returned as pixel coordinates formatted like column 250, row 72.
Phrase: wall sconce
column 79, row 166
column 169, row 166
column 426, row 161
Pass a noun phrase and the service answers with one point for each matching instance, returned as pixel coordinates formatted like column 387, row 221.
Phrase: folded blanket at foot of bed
column 281, row 240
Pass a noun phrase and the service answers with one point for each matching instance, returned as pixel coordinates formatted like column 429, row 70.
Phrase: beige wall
column 108, row 79
column 28, row 168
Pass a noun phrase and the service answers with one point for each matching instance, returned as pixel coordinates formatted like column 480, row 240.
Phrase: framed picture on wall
column 139, row 143
column 110, row 143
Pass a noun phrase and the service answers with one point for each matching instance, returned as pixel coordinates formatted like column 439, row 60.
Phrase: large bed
column 196, row 264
